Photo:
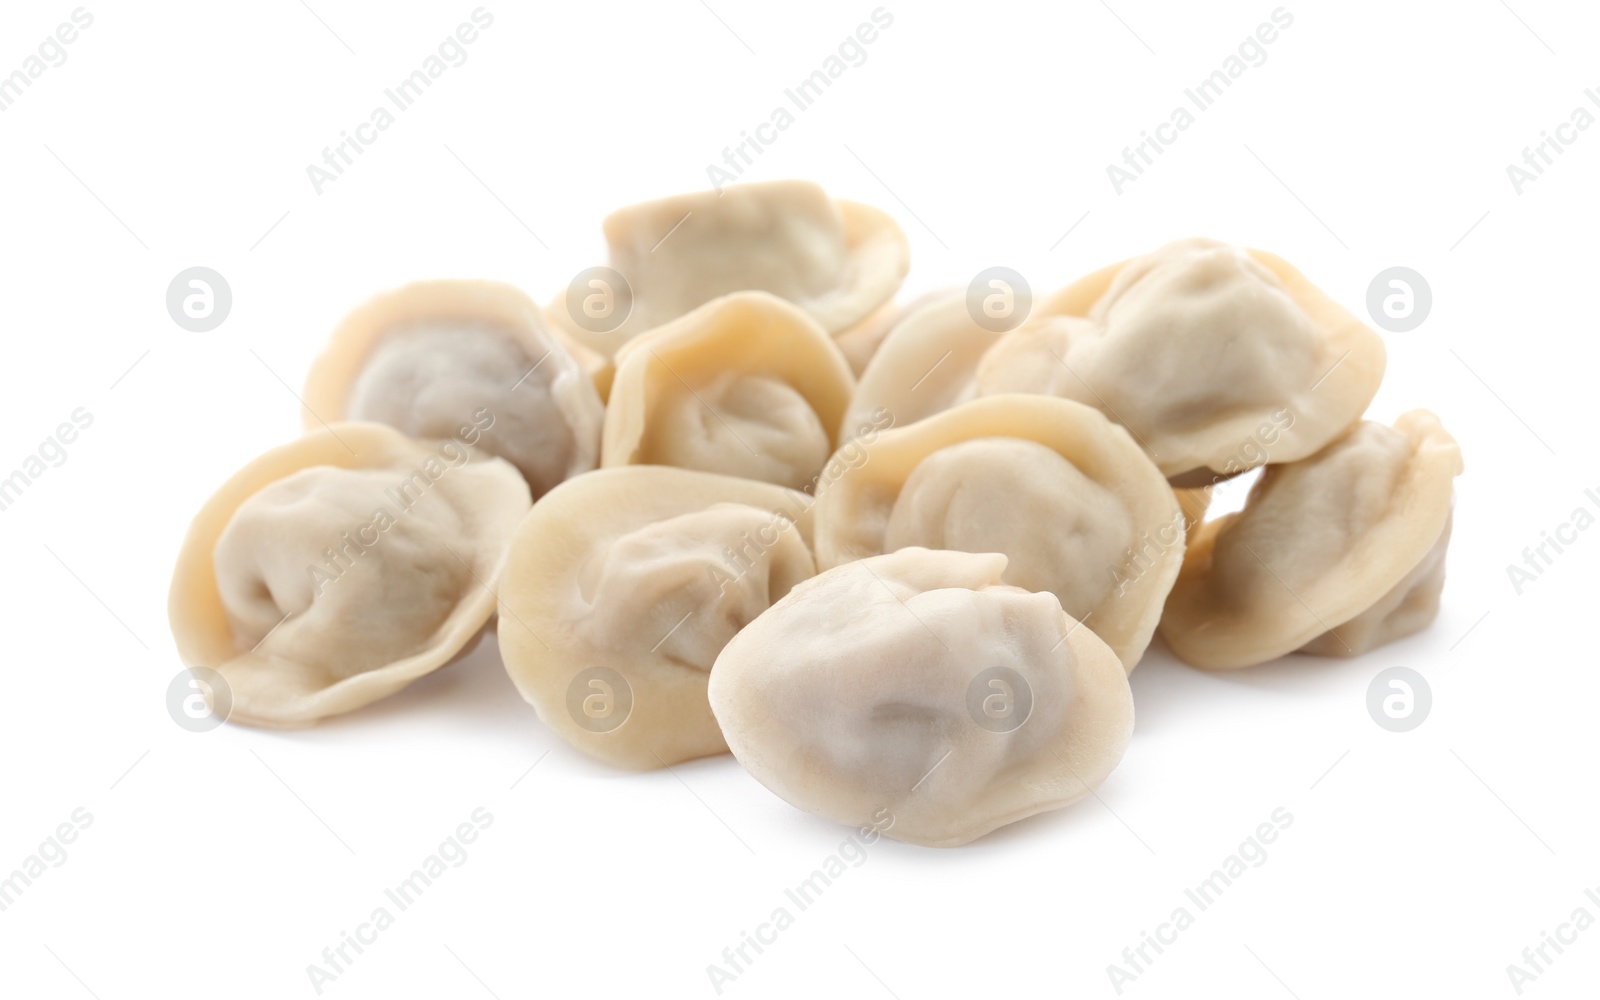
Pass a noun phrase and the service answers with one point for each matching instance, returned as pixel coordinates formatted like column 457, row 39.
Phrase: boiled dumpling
column 1333, row 555
column 1218, row 359
column 746, row 385
column 1063, row 492
column 335, row 570
column 860, row 343
column 621, row 589
column 927, row 363
column 916, row 693
column 429, row 356
column 838, row 261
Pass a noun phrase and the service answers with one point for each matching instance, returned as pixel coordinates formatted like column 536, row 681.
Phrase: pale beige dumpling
column 746, row 385
column 1064, row 493
column 927, row 363
column 836, row 260
column 621, row 589
column 434, row 356
column 860, row 343
column 1333, row 555
column 333, row 571
column 916, row 693
column 1217, row 358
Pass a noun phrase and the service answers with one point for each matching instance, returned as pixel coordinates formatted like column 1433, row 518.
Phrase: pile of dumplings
column 899, row 563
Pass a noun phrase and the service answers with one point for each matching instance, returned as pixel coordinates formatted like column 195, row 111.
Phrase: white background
column 1376, row 134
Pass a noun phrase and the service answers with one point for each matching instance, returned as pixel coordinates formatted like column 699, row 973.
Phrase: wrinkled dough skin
column 1343, row 494
column 792, row 246
column 429, row 380
column 1192, row 331
column 1061, row 531
column 897, row 720
column 373, row 603
column 643, row 572
column 749, row 426
column 854, row 698
column 1334, row 554
column 681, row 586
column 877, row 712
column 836, row 260
column 1410, row 607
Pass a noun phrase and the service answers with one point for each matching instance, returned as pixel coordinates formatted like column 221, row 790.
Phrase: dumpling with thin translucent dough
column 918, row 694
column 1194, row 347
column 621, row 588
column 838, row 261
column 746, row 385
column 1333, row 555
column 926, row 364
column 860, row 343
column 334, row 570
column 432, row 355
column 1066, row 494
